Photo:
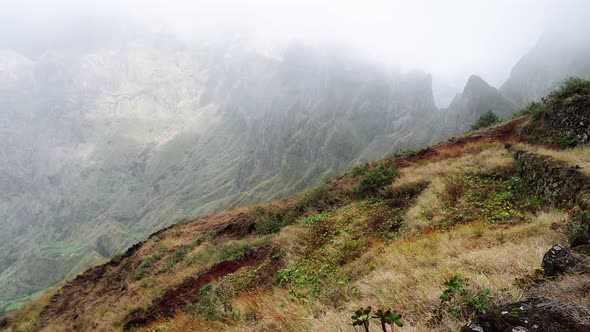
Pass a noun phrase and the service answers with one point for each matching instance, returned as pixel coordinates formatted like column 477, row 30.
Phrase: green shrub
column 579, row 223
column 268, row 222
column 566, row 142
column 375, row 180
column 359, row 169
column 487, row 119
column 534, row 109
column 568, row 88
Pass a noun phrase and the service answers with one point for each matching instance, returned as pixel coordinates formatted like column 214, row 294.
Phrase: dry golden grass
column 411, row 272
column 406, row 273
column 486, row 158
column 576, row 156
column 424, row 212
column 409, row 276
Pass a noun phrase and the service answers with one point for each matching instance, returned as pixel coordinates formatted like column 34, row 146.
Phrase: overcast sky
column 449, row 39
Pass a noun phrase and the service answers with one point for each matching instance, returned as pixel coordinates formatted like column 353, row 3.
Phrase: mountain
column 110, row 140
column 560, row 53
column 446, row 238
column 477, row 98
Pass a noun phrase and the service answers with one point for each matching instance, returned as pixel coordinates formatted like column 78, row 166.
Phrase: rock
column 527, row 316
column 472, row 327
column 557, row 261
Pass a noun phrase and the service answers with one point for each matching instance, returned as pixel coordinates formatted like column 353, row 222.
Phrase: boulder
column 557, row 260
column 526, row 316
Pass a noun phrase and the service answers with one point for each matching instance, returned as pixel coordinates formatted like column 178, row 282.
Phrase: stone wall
column 557, row 184
column 567, row 126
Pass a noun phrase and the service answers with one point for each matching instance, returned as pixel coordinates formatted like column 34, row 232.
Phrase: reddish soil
column 188, row 291
column 503, row 133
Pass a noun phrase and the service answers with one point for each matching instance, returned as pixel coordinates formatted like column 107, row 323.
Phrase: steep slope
column 438, row 235
column 110, row 140
column 560, row 53
column 477, row 98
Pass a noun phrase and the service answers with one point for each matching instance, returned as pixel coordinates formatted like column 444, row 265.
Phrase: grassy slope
column 381, row 251
column 307, row 262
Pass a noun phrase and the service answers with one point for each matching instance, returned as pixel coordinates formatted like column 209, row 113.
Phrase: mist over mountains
column 107, row 141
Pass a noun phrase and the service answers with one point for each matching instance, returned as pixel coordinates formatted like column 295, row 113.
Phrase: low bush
column 534, row 109
column 375, row 180
column 487, row 119
column 359, row 169
column 568, row 88
column 577, row 226
column 271, row 221
column 320, row 199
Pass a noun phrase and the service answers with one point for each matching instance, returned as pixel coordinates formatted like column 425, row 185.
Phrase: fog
column 450, row 39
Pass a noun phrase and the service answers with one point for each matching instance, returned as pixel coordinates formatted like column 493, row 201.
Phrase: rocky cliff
column 477, row 98
column 107, row 142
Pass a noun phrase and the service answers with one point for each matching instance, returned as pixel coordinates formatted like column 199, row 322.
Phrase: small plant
column 458, row 300
column 487, row 119
column 363, row 316
column 376, row 179
column 388, row 317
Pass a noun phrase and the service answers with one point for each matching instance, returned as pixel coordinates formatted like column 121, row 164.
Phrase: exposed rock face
column 557, row 260
column 102, row 145
column 556, row 56
column 477, row 98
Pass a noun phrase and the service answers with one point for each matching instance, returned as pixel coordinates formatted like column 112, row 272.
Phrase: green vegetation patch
column 489, row 198
column 572, row 86
column 375, row 180
column 487, row 119
column 319, row 199
column 460, row 300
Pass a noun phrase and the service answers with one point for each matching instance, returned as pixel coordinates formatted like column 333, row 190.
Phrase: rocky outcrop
column 558, row 54
column 544, row 312
column 477, row 98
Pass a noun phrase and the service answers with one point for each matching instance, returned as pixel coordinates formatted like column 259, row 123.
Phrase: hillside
column 108, row 142
column 447, row 234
